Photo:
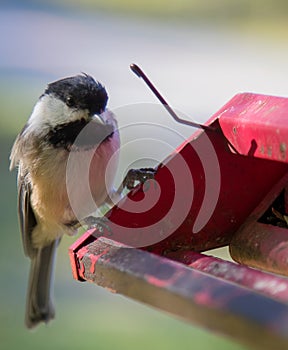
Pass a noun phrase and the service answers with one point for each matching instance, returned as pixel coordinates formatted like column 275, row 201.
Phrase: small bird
column 41, row 151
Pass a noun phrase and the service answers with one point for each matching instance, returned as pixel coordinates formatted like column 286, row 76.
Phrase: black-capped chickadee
column 41, row 152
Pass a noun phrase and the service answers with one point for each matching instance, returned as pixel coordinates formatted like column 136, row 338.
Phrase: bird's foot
column 101, row 224
column 135, row 177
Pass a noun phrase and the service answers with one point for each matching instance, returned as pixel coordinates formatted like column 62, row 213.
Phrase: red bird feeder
column 225, row 185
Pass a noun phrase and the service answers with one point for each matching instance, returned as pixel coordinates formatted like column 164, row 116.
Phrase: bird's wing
column 27, row 217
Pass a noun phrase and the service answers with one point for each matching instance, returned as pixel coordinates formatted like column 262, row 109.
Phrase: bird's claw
column 135, row 177
column 99, row 223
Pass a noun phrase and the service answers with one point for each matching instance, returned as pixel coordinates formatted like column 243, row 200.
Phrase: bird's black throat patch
column 79, row 134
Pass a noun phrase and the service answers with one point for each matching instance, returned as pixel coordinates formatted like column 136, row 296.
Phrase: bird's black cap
column 80, row 92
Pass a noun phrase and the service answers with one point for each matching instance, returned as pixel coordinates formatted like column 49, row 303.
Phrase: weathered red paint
column 262, row 245
column 82, row 252
column 249, row 140
column 194, row 295
column 84, row 239
column 271, row 285
column 160, row 283
column 243, row 184
column 256, row 125
column 94, row 259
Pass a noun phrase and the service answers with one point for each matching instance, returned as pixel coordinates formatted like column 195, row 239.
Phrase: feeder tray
column 224, row 186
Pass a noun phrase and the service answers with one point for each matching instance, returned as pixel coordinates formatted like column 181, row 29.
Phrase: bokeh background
column 199, row 54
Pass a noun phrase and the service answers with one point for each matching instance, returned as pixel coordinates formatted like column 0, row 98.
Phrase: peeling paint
column 273, row 286
column 82, row 252
column 269, row 151
column 283, row 149
column 94, row 258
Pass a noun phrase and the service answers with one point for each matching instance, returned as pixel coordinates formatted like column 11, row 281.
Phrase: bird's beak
column 98, row 118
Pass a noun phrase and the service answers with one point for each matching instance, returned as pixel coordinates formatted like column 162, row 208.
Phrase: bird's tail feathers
column 39, row 305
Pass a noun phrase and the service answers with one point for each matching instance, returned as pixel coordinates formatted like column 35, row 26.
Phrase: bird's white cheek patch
column 50, row 111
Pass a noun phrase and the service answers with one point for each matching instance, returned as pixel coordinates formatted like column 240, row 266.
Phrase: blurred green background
column 200, row 53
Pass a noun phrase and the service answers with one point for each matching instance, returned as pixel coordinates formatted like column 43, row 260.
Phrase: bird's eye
column 70, row 101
